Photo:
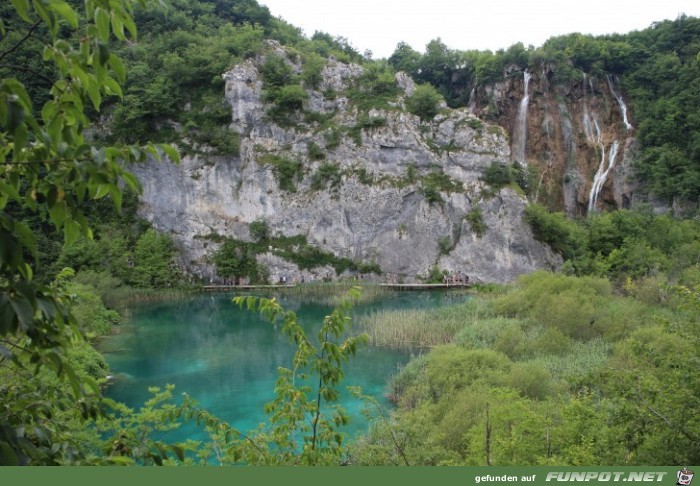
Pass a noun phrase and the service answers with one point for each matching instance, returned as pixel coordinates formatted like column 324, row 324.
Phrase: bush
column 327, row 174
column 276, row 72
column 154, row 265
column 564, row 236
column 259, row 230
column 315, row 152
column 476, row 221
column 286, row 171
column 312, row 70
column 482, row 333
column 498, row 174
column 424, row 102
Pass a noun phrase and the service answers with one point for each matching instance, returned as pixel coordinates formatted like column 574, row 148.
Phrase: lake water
column 227, row 358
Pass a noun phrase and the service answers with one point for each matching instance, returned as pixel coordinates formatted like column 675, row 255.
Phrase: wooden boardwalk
column 215, row 288
column 424, row 286
column 391, row 286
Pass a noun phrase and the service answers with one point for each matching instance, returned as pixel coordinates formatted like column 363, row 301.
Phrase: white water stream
column 520, row 132
column 602, row 174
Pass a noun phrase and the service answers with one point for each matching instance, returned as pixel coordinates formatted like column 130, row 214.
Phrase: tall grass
column 418, row 328
column 583, row 358
column 332, row 293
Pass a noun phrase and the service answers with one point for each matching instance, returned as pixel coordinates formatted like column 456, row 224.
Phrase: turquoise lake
column 227, row 358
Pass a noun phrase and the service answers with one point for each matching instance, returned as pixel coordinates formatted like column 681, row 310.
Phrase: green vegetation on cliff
column 658, row 69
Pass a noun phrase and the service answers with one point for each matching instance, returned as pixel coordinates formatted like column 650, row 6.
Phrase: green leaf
column 71, row 231
column 102, row 23
column 65, row 11
column 94, row 94
column 15, row 115
column 171, row 152
column 130, row 25
column 46, row 16
column 113, row 87
column 18, row 89
column 21, row 136
column 102, row 191
column 25, row 236
column 23, row 310
column 22, row 8
column 179, row 451
column 103, row 52
column 118, row 27
column 118, row 67
column 116, row 196
column 58, row 214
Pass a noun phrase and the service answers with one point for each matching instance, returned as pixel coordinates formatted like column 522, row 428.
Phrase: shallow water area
column 227, row 358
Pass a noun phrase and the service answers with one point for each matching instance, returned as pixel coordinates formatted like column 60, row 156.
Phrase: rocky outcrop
column 379, row 186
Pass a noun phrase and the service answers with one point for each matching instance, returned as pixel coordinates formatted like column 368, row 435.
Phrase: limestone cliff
column 374, row 186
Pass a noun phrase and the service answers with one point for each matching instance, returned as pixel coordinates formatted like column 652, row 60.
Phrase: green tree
column 424, row 102
column 153, row 261
column 49, row 168
column 303, row 417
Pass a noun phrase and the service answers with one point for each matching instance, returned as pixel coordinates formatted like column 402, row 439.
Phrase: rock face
column 368, row 195
column 572, row 130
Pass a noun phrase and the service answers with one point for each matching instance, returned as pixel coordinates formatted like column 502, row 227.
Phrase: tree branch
column 671, row 425
column 21, row 41
column 27, row 70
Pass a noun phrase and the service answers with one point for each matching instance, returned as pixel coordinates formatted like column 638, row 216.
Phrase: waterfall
column 591, row 127
column 471, row 105
column 602, row 174
column 621, row 102
column 520, row 132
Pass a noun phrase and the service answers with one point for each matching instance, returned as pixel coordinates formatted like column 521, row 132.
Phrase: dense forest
column 596, row 364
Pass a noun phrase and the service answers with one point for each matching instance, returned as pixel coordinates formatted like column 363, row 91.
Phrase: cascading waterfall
column 471, row 106
column 520, row 132
column 594, row 135
column 621, row 103
column 602, row 174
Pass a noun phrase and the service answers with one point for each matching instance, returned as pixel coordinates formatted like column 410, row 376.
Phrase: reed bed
column 418, row 328
column 332, row 293
column 583, row 358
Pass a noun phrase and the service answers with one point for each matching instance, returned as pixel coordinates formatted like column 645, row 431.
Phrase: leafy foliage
column 301, row 431
column 475, row 218
column 535, row 388
column 49, row 168
column 286, row 170
column 236, row 258
column 326, row 175
column 424, row 102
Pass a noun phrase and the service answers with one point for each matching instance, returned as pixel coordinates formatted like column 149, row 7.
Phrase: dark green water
column 227, row 358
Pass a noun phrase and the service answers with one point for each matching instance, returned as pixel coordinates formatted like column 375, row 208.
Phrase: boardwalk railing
column 391, row 286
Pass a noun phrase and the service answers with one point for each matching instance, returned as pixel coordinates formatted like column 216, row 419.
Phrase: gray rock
column 389, row 221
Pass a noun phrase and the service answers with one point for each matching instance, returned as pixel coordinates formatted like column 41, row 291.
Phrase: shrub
column 286, row 171
column 327, row 174
column 564, row 236
column 276, row 72
column 259, row 230
column 424, row 102
column 445, row 245
column 476, row 221
column 498, row 174
column 315, row 152
column 312, row 69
